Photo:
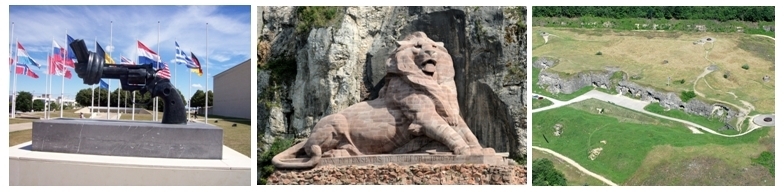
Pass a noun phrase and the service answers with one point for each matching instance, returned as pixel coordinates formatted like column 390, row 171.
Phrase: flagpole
column 92, row 99
column 175, row 65
column 48, row 83
column 190, row 84
column 95, row 47
column 207, row 78
column 111, row 43
column 49, row 94
column 133, row 101
column 62, row 82
column 155, row 106
column 16, row 59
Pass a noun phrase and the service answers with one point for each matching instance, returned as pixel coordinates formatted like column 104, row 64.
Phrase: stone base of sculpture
column 406, row 159
column 392, row 174
column 128, row 138
column 38, row 168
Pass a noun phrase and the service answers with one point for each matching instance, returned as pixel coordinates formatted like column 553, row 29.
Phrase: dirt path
column 575, row 164
column 769, row 37
column 704, row 72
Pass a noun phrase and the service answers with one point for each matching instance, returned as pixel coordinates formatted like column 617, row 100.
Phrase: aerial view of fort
column 653, row 96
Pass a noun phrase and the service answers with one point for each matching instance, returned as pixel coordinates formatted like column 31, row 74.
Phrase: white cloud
column 197, row 86
column 220, row 57
column 228, row 35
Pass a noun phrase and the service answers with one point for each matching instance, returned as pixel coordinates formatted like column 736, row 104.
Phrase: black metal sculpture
column 91, row 68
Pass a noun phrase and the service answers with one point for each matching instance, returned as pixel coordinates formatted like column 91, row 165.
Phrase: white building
column 232, row 92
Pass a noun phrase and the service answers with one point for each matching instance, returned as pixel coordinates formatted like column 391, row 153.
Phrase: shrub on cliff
column 264, row 163
column 545, row 174
column 687, row 95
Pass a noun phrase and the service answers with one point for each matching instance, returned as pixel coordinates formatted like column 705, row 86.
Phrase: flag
column 147, row 56
column 197, row 68
column 103, row 85
column 107, row 58
column 164, row 72
column 23, row 57
column 124, row 60
column 58, row 55
column 22, row 69
column 181, row 57
column 66, row 72
column 69, row 57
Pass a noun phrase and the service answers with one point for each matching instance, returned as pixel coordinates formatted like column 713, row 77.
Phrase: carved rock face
column 418, row 55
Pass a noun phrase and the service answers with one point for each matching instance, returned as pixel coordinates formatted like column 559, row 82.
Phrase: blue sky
column 228, row 38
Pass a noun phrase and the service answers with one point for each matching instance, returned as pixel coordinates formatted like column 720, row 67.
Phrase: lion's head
column 419, row 56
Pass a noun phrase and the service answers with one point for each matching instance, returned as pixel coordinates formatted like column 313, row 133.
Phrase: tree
column 209, row 98
column 54, row 105
column 84, row 96
column 545, row 174
column 745, row 66
column 38, row 105
column 24, row 101
column 197, row 100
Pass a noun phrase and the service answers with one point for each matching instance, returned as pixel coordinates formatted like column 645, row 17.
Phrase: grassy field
column 237, row 138
column 714, row 123
column 19, row 120
column 629, row 138
column 539, row 103
column 574, row 177
column 643, row 54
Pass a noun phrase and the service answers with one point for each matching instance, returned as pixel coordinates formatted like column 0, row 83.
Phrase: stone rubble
column 391, row 174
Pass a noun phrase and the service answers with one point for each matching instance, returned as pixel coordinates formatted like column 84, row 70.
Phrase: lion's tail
column 291, row 153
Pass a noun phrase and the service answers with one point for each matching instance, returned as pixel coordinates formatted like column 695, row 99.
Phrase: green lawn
column 714, row 123
column 539, row 103
column 627, row 142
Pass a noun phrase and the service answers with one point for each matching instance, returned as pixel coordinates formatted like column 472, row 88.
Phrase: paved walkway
column 19, row 127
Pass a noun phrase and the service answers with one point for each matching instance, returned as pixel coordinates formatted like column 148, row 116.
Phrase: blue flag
column 104, row 85
column 71, row 54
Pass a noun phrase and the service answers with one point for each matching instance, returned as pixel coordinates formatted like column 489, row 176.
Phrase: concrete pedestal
column 128, row 138
column 28, row 167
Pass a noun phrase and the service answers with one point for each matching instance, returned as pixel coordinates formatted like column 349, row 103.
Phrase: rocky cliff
column 310, row 71
column 555, row 82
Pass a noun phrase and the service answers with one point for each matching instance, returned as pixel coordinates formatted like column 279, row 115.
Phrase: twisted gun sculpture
column 90, row 67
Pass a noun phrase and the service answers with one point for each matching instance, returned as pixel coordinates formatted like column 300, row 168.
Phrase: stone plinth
column 128, row 138
column 36, row 168
column 406, row 159
column 391, row 174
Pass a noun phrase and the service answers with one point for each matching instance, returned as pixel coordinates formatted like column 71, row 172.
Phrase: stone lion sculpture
column 416, row 111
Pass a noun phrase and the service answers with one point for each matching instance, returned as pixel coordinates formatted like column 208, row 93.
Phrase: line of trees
column 25, row 103
column 720, row 13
